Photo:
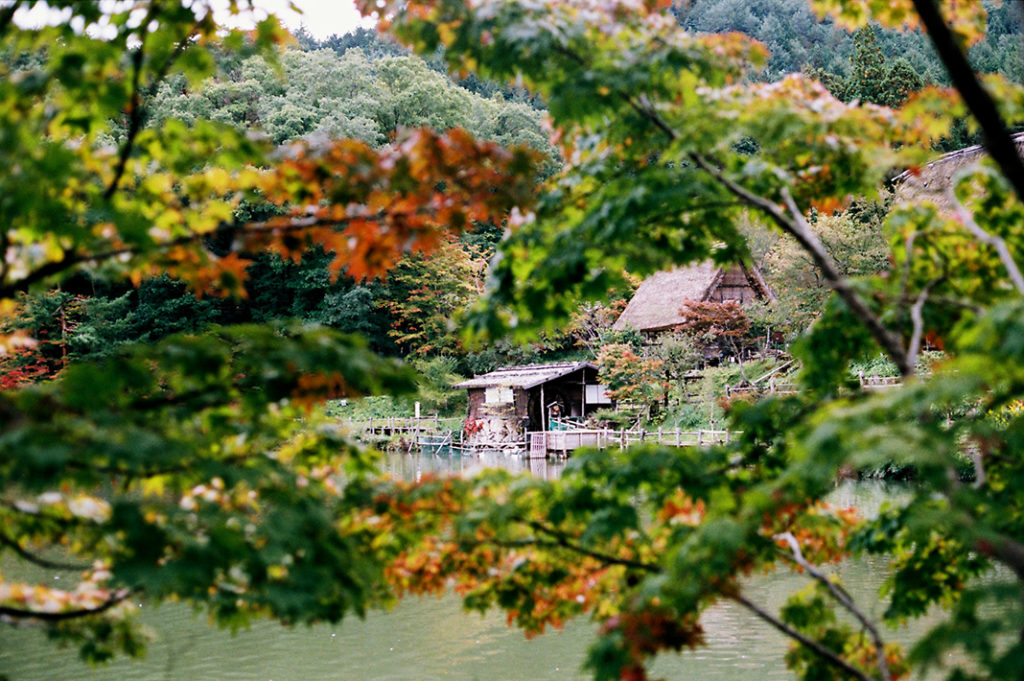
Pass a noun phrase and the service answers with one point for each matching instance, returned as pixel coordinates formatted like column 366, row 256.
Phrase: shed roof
column 526, row 376
column 932, row 182
column 658, row 301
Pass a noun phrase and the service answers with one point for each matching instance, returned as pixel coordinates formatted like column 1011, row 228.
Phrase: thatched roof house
column 932, row 182
column 657, row 304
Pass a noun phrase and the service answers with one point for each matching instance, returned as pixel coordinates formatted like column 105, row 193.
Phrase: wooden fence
column 565, row 441
column 400, row 425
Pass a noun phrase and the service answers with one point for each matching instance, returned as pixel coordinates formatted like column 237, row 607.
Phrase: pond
column 431, row 638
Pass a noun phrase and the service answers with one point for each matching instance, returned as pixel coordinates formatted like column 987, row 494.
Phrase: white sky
column 322, row 18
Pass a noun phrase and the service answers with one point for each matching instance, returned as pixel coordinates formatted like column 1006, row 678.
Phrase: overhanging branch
column 826, row 654
column 25, row 613
column 842, row 598
column 998, row 141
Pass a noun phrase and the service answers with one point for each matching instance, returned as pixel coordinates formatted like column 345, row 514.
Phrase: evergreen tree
column 868, row 68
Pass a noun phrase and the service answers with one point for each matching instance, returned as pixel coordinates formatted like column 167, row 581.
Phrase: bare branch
column 826, row 654
column 917, row 318
column 992, row 240
column 998, row 141
column 908, row 246
column 842, row 598
column 135, row 116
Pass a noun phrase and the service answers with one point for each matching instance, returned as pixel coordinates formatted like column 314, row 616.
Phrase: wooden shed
column 658, row 302
column 507, row 403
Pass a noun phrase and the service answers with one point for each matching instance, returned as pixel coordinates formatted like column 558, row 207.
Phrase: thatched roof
column 932, row 182
column 525, row 377
column 657, row 302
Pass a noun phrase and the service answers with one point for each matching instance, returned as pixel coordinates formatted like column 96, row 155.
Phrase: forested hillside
column 357, row 86
column 798, row 40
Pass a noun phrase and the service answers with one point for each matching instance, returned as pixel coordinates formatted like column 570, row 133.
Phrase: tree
column 197, row 467
column 426, row 294
column 867, row 68
column 645, row 541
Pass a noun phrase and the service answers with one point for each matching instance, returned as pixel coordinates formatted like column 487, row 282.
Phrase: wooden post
column 543, row 410
column 583, row 395
column 659, row 435
column 700, row 437
column 679, row 435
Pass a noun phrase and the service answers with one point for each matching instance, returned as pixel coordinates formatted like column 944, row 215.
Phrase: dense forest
column 797, row 40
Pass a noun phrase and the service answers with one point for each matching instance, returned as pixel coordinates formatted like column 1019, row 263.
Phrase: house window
column 598, row 394
column 498, row 395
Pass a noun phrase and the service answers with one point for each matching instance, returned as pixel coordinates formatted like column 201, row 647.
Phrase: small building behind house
column 507, row 403
column 658, row 302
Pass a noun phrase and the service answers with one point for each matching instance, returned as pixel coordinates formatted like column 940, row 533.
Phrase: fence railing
column 393, row 425
column 568, row 440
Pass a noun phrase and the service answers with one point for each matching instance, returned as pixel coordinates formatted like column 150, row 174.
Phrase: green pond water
column 431, row 639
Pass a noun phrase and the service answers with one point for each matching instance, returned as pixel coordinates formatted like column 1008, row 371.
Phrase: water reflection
column 432, row 639
column 415, row 466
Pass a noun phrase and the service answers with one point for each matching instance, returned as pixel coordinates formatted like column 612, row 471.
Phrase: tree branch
column 41, row 562
column 998, row 141
column 137, row 114
column 71, row 259
column 842, row 598
column 7, row 15
column 563, row 541
column 796, row 226
column 819, row 649
column 1007, row 551
column 575, row 548
column 20, row 613
column 992, row 240
column 917, row 318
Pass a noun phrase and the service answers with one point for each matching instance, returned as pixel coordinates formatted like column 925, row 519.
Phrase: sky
column 322, row 18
